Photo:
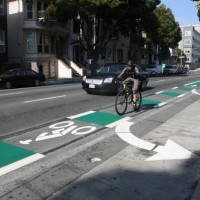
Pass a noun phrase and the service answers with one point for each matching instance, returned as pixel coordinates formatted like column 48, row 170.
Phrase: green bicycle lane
column 29, row 147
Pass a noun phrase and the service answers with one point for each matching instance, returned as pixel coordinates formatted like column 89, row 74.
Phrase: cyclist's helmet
column 130, row 64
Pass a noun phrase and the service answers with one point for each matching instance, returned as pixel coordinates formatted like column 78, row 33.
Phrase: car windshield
column 10, row 72
column 111, row 69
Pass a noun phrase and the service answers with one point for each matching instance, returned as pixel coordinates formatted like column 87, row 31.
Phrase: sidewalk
column 172, row 173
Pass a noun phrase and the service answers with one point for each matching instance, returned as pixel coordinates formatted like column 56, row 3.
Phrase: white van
column 154, row 70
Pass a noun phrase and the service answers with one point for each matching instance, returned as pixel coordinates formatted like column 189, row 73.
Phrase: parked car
column 103, row 80
column 170, row 70
column 154, row 69
column 21, row 77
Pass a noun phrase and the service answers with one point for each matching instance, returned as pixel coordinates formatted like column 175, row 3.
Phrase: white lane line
column 11, row 93
column 195, row 92
column 159, row 81
column 159, row 92
column 81, row 114
column 44, row 99
column 124, row 133
column 181, row 95
column 20, row 163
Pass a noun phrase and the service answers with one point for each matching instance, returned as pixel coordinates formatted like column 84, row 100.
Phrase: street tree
column 137, row 17
column 95, row 20
column 198, row 7
column 168, row 33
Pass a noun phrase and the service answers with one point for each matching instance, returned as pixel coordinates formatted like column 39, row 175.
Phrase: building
column 3, row 35
column 190, row 45
column 37, row 40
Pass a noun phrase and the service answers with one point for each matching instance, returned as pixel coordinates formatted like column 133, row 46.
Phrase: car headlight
column 108, row 80
column 84, row 78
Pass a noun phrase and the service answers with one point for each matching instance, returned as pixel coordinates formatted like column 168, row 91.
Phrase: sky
column 184, row 11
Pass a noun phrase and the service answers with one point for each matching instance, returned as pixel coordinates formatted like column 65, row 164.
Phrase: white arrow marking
column 25, row 141
column 124, row 133
column 171, row 151
column 47, row 135
column 195, row 92
column 168, row 152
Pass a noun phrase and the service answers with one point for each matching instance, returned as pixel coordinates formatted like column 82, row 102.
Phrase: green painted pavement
column 184, row 88
column 100, row 118
column 10, row 153
column 195, row 84
column 149, row 102
column 171, row 94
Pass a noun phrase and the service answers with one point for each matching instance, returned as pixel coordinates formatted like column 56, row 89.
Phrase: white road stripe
column 11, row 93
column 20, row 163
column 44, row 99
column 124, row 133
column 118, row 122
column 81, row 114
column 159, row 92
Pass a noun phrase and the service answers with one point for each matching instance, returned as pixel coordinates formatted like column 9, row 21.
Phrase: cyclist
column 131, row 73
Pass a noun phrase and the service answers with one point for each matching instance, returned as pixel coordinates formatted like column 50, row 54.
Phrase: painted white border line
column 181, row 95
column 159, row 92
column 195, row 92
column 192, row 84
column 44, row 99
column 81, row 114
column 20, row 163
column 118, row 122
column 160, row 104
column 11, row 93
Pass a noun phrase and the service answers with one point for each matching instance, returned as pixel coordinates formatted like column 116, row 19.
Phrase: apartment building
column 35, row 39
column 190, row 45
column 3, row 35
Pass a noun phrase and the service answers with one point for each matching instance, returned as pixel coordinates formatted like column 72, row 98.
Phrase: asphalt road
column 42, row 120
column 25, row 108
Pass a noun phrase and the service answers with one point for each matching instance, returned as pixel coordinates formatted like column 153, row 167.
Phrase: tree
column 96, row 20
column 198, row 7
column 137, row 16
column 168, row 33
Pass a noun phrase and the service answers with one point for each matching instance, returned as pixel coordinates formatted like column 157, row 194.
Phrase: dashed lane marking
column 100, row 118
column 13, row 157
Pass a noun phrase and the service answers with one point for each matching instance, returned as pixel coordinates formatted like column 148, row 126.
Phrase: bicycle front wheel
column 139, row 101
column 121, row 103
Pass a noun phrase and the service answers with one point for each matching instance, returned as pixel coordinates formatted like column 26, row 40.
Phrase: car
column 104, row 79
column 170, row 70
column 154, row 69
column 21, row 77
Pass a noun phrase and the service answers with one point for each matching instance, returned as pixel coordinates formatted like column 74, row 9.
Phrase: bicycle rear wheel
column 121, row 103
column 139, row 101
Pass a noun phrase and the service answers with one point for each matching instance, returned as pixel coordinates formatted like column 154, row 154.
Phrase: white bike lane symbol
column 62, row 128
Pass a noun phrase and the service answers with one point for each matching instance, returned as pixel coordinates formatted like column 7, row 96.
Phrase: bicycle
column 125, row 97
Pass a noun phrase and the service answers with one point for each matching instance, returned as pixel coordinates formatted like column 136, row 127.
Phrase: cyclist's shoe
column 134, row 105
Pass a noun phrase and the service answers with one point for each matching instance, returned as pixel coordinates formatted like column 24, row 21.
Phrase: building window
column 2, row 42
column 76, row 26
column 41, row 7
column 42, row 43
column 29, row 10
column 188, row 33
column 46, row 44
column 30, row 42
column 187, row 51
column 1, row 7
column 187, row 42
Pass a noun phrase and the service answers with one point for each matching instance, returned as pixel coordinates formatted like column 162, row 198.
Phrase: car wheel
column 143, row 85
column 7, row 85
column 37, row 82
